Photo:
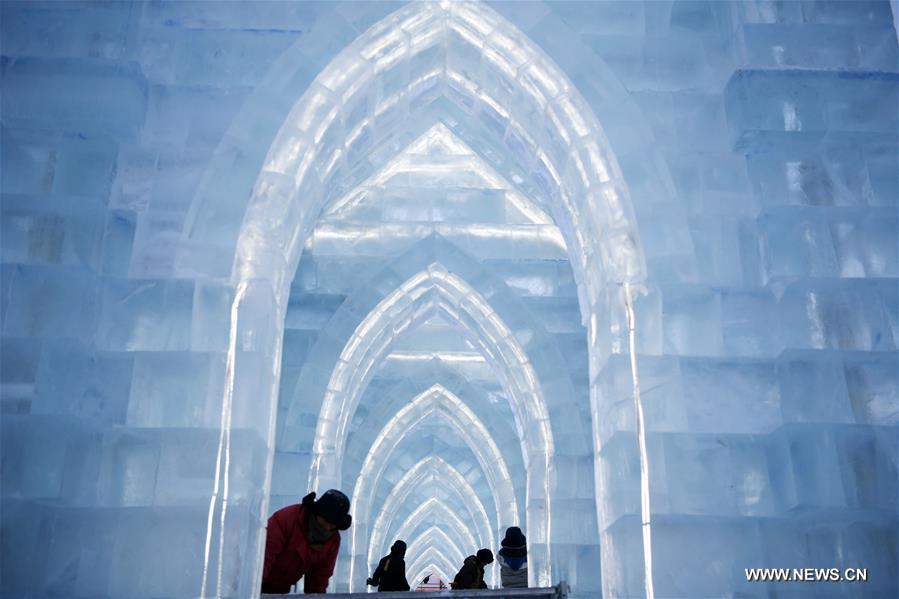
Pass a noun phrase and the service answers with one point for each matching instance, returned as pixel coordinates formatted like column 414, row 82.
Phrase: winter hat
column 334, row 507
column 514, row 538
column 399, row 547
column 485, row 556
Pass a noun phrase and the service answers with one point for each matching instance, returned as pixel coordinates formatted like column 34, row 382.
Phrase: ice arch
column 442, row 515
column 435, row 401
column 354, row 340
column 437, row 540
column 553, row 132
column 436, row 511
column 438, row 401
column 425, row 472
column 410, row 58
column 432, row 476
column 394, row 397
column 433, row 288
column 434, row 536
column 434, row 437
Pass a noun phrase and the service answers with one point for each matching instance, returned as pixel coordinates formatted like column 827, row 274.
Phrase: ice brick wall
column 113, row 369
column 773, row 120
column 758, row 141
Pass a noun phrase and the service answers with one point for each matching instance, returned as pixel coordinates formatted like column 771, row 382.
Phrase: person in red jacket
column 302, row 541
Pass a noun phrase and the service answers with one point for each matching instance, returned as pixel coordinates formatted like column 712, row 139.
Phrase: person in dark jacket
column 302, row 541
column 513, row 559
column 390, row 575
column 471, row 575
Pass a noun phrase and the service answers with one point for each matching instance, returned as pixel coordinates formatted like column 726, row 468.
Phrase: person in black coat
column 390, row 575
column 471, row 575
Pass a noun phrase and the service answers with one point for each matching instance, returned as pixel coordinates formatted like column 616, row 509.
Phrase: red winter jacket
column 288, row 555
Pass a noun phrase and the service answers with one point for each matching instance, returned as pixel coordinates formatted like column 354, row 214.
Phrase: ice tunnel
column 620, row 273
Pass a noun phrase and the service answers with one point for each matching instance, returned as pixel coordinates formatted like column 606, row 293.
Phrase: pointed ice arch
column 431, row 289
column 431, row 475
column 403, row 64
column 433, row 511
column 525, row 358
column 438, row 401
column 436, row 537
column 365, row 95
column 448, row 524
column 380, row 404
column 429, row 471
column 435, row 401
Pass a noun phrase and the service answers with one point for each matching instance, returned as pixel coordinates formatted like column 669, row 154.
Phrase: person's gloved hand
column 369, row 582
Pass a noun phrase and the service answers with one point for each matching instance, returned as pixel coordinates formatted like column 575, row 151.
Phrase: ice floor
column 623, row 274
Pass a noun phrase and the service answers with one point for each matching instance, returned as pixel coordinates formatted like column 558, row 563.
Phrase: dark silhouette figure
column 513, row 559
column 471, row 575
column 302, row 542
column 390, row 575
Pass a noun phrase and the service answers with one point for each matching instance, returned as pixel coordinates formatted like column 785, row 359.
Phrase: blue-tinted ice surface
column 438, row 349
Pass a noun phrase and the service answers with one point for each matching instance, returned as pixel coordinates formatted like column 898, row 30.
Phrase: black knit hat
column 514, row 538
column 485, row 556
column 398, row 547
column 334, row 507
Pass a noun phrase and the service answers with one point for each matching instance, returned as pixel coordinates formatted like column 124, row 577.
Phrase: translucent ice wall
column 225, row 282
